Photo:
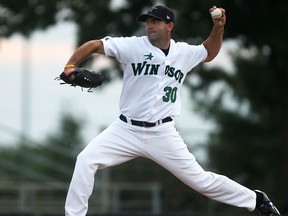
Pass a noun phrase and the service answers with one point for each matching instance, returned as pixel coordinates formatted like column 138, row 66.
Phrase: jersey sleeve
column 196, row 54
column 119, row 48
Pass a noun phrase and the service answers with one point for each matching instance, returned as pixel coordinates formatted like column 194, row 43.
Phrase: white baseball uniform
column 152, row 83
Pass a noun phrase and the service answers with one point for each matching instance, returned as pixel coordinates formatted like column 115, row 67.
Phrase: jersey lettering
column 149, row 69
column 170, row 71
column 152, row 69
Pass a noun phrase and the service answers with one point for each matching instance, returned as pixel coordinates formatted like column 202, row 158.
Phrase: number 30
column 170, row 94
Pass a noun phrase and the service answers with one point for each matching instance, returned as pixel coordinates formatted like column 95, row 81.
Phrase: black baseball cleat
column 264, row 205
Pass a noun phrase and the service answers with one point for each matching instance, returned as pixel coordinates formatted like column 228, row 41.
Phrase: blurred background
column 234, row 109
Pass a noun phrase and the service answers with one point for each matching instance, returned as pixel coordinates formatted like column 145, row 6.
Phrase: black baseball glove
column 83, row 78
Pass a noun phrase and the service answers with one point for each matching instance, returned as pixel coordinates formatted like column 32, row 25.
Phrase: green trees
column 53, row 160
column 250, row 143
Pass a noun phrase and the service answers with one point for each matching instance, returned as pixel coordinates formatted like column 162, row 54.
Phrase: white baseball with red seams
column 216, row 13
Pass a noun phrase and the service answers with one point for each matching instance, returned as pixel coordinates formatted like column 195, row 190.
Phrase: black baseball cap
column 159, row 12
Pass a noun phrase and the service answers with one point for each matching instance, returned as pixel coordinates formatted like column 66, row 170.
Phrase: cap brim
column 143, row 17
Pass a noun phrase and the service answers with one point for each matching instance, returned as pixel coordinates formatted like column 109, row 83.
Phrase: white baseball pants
column 121, row 142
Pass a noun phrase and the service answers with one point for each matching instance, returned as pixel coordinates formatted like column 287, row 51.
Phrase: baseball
column 216, row 13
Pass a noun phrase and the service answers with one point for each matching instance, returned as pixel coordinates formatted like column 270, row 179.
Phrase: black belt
column 145, row 124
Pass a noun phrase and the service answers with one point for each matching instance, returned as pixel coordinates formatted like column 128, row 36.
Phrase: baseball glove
column 83, row 78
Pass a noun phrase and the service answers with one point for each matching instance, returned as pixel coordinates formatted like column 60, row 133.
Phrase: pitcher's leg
column 109, row 148
column 81, row 187
column 215, row 186
column 171, row 153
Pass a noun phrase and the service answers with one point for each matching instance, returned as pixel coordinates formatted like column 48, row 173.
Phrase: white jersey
column 152, row 81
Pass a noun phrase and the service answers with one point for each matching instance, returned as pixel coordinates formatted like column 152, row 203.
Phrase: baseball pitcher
column 155, row 67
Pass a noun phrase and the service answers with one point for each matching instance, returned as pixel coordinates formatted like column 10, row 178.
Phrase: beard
column 154, row 37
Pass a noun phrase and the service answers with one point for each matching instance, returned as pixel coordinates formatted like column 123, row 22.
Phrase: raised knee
column 89, row 159
column 83, row 158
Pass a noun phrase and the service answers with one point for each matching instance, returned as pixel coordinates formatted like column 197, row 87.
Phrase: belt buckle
column 146, row 124
column 149, row 124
